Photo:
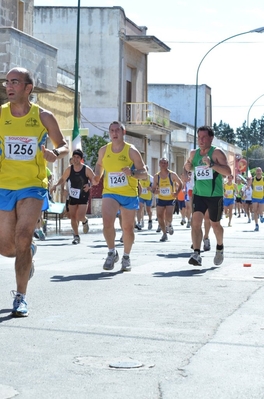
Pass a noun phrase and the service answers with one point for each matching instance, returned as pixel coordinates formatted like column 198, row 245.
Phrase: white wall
column 103, row 58
column 180, row 100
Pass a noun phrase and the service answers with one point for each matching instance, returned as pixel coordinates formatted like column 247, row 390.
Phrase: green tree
column 252, row 135
column 224, row 132
column 255, row 157
column 242, row 136
column 91, row 146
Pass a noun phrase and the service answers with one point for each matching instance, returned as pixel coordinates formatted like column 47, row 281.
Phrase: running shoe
column 207, row 245
column 188, row 225
column 138, row 226
column 36, row 234
column 182, row 222
column 229, row 224
column 195, row 259
column 149, row 224
column 19, row 305
column 257, row 227
column 261, row 219
column 85, row 226
column 164, row 237
column 219, row 257
column 249, row 220
column 126, row 265
column 142, row 224
column 76, row 240
column 170, row 230
column 158, row 229
column 41, row 235
column 111, row 259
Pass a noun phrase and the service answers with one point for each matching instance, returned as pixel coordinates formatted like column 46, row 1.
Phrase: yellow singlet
column 166, row 187
column 115, row 181
column 229, row 190
column 21, row 161
column 145, row 194
column 257, row 186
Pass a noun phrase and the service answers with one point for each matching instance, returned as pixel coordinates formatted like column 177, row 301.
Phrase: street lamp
column 258, row 30
column 76, row 141
column 262, row 95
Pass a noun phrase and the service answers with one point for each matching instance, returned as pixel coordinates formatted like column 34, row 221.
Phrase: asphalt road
column 166, row 330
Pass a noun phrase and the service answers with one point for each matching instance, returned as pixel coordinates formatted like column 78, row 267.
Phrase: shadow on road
column 7, row 317
column 85, row 277
column 180, row 255
column 184, row 273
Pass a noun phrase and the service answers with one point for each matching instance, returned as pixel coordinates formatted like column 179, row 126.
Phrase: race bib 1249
column 117, row 179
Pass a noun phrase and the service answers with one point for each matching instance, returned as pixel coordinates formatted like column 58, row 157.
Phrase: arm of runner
column 62, row 180
column 140, row 171
column 179, row 184
column 155, row 186
column 188, row 165
column 218, row 162
column 99, row 170
column 90, row 175
column 54, row 132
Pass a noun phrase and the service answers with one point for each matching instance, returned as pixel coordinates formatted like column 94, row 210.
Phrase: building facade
column 54, row 87
column 180, row 100
column 113, row 53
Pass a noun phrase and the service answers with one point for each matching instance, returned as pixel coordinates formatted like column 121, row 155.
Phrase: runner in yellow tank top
column 122, row 166
column 166, row 187
column 230, row 189
column 145, row 199
column 258, row 197
column 24, row 128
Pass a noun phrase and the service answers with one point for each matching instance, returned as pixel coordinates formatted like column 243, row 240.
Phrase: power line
column 200, row 42
column 235, row 106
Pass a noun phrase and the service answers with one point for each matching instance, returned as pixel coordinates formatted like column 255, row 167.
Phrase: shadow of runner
column 185, row 273
column 7, row 317
column 180, row 255
column 85, row 277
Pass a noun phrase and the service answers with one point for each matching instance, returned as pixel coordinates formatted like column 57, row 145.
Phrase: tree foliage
column 91, row 146
column 224, row 132
column 249, row 138
column 255, row 156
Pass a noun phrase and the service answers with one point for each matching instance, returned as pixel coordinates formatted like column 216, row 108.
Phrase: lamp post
column 258, row 30
column 262, row 95
column 76, row 141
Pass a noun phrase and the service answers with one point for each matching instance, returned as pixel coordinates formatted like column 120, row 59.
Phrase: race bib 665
column 203, row 173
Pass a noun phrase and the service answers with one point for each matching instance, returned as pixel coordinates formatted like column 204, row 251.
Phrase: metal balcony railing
column 147, row 114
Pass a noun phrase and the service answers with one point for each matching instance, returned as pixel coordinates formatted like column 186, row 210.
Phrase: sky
column 234, row 70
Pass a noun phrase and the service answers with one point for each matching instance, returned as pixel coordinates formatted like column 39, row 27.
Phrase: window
column 20, row 15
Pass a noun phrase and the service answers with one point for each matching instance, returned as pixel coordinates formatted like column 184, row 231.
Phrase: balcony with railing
column 147, row 118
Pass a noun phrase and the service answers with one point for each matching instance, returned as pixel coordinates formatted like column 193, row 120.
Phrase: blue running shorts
column 161, row 202
column 125, row 202
column 258, row 200
column 145, row 201
column 229, row 201
column 9, row 198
